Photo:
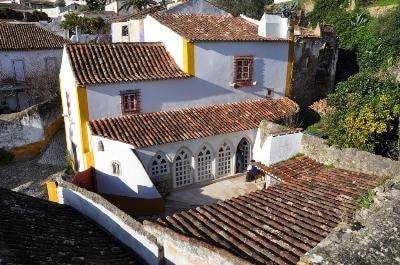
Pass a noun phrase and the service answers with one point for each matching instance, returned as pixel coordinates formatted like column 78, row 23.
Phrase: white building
column 28, row 53
column 172, row 149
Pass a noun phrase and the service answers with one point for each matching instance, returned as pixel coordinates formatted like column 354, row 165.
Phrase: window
column 100, row 146
column 116, row 168
column 130, row 102
column 224, row 160
column 270, row 93
column 19, row 70
column 204, row 164
column 51, row 65
column 183, row 169
column 125, row 31
column 243, row 70
column 159, row 166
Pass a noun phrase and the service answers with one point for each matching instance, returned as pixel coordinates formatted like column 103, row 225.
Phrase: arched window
column 224, row 160
column 159, row 166
column 204, row 164
column 183, row 169
column 116, row 168
column 242, row 155
column 100, row 146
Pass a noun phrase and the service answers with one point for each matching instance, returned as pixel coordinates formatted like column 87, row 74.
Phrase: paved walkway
column 30, row 176
column 200, row 194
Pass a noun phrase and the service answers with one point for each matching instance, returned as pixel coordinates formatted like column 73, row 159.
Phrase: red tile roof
column 20, row 36
column 199, row 27
column 122, row 62
column 279, row 224
column 36, row 231
column 157, row 128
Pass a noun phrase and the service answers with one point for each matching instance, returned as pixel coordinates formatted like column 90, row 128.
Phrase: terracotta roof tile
column 279, row 224
column 122, row 62
column 200, row 27
column 158, row 128
column 20, row 36
column 35, row 231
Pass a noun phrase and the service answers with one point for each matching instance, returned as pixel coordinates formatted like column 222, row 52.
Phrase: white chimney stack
column 273, row 26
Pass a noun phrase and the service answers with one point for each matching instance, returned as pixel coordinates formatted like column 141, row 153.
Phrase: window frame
column 116, row 172
column 125, row 31
column 124, row 95
column 249, row 60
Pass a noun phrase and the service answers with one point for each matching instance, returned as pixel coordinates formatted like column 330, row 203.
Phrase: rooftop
column 122, row 62
column 167, row 126
column 35, row 231
column 200, row 27
column 21, row 36
column 280, row 224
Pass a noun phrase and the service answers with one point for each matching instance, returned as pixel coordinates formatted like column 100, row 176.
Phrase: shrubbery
column 365, row 114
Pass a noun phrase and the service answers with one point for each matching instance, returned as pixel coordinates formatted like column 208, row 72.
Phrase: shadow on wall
column 111, row 184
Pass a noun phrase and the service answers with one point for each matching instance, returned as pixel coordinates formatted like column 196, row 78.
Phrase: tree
column 250, row 8
column 6, row 13
column 36, row 16
column 87, row 25
column 95, row 4
column 60, row 3
column 365, row 114
column 137, row 4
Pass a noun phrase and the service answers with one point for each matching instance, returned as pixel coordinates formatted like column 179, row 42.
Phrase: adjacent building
column 30, row 56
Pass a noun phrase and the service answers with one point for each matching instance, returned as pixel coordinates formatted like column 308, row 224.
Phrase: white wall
column 133, row 180
column 214, row 63
column 273, row 26
column 194, row 146
column 104, row 100
column 135, row 31
column 34, row 61
column 155, row 31
column 133, row 237
column 70, row 109
column 276, row 148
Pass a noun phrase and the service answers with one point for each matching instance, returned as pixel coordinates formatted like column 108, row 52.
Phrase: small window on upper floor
column 100, row 146
column 243, row 70
column 116, row 168
column 125, row 31
column 130, row 102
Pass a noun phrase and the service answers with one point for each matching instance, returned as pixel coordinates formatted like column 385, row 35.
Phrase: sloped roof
column 35, row 231
column 164, row 127
column 195, row 7
column 200, row 27
column 122, row 62
column 21, row 36
column 279, row 224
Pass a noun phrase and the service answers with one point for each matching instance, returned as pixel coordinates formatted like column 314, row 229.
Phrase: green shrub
column 69, row 168
column 5, row 156
column 366, row 200
column 365, row 114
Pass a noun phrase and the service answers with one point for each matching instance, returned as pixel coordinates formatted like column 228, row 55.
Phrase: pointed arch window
column 116, row 168
column 224, row 161
column 183, row 169
column 204, row 164
column 100, row 146
column 159, row 166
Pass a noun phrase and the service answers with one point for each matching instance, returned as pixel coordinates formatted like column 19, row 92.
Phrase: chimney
column 273, row 26
column 77, row 33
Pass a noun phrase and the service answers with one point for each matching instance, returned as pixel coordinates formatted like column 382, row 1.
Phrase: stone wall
column 28, row 132
column 314, row 67
column 122, row 226
column 179, row 249
column 349, row 158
